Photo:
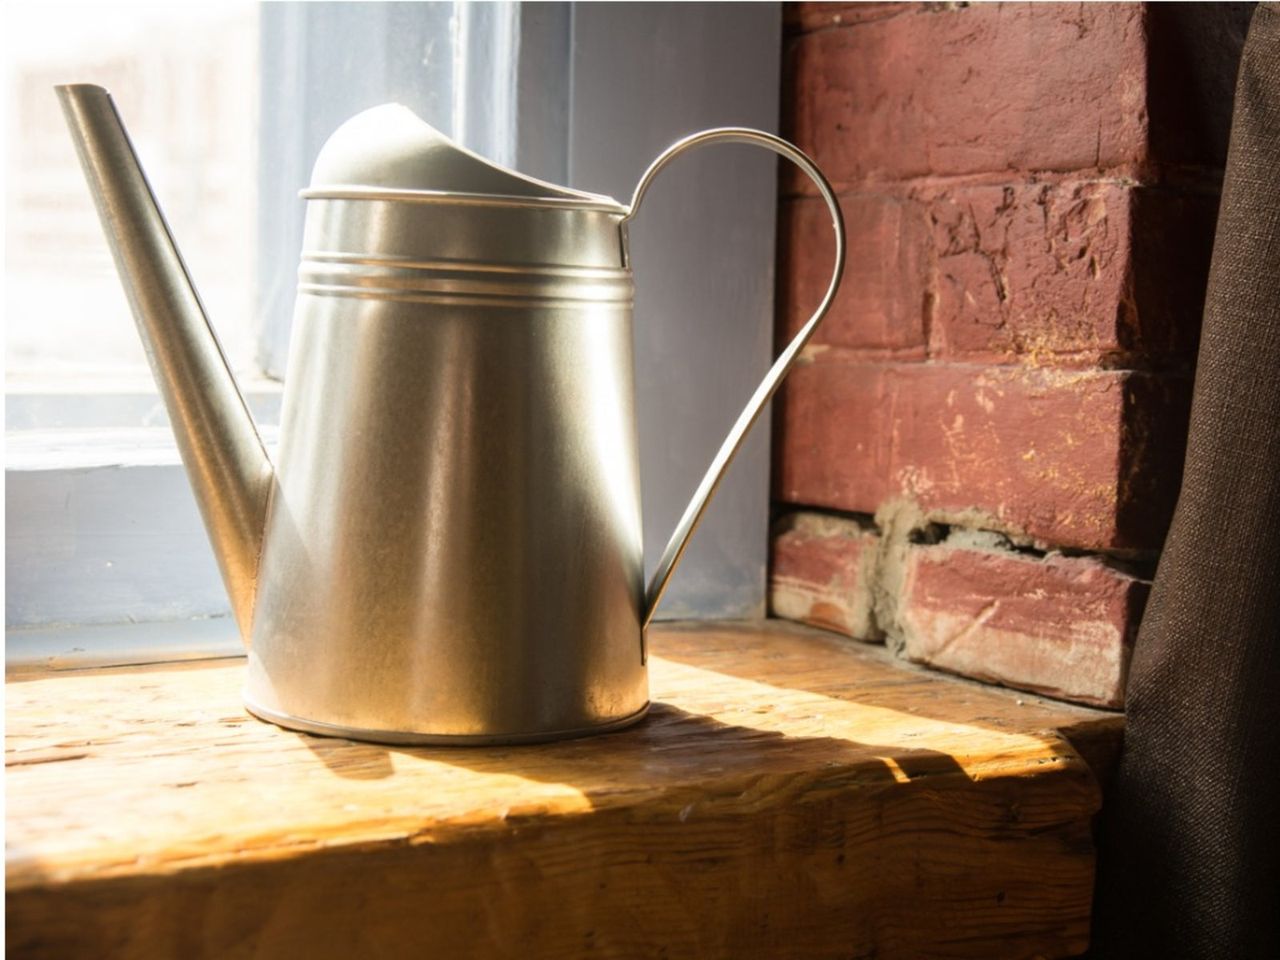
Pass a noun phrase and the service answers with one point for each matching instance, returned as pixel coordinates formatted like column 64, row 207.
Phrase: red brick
column 1062, row 626
column 1064, row 273
column 883, row 302
column 822, row 569
column 1153, row 446
column 802, row 17
column 1063, row 457
column 1032, row 270
column 974, row 89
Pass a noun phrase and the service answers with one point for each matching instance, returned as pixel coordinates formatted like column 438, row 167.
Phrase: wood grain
column 791, row 795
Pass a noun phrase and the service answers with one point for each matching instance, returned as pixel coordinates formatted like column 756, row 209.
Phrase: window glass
column 185, row 78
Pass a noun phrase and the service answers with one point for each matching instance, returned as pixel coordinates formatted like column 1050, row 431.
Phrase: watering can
column 446, row 547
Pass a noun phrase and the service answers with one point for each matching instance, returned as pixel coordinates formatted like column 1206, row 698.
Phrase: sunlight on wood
column 867, row 802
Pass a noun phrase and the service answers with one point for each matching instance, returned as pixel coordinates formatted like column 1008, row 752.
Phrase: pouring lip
column 588, row 201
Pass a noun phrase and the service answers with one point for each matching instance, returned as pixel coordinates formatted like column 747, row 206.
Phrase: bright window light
column 185, row 78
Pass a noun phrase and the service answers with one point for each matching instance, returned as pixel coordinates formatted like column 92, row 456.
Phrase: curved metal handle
column 781, row 367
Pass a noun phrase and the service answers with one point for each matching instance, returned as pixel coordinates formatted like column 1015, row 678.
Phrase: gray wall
column 703, row 254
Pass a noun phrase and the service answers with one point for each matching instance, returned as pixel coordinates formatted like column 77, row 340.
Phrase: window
column 101, row 528
column 187, row 78
column 99, row 525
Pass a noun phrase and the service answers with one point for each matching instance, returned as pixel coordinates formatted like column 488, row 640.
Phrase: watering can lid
column 389, row 149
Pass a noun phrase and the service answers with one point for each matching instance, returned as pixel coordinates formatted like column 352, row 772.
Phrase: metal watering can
column 447, row 548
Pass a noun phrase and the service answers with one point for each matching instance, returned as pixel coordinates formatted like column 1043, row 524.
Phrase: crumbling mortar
column 902, row 524
column 1066, row 368
column 928, row 185
column 1194, row 179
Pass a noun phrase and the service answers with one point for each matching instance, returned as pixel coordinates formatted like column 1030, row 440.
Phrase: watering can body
column 458, row 466
column 447, row 545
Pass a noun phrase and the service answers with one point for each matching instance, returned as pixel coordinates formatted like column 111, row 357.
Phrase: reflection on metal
column 451, row 551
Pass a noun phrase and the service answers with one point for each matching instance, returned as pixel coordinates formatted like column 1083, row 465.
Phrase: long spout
column 227, row 464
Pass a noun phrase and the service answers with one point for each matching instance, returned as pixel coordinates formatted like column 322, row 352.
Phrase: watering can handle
column 773, row 379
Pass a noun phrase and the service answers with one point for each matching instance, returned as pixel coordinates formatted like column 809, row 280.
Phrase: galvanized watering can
column 447, row 547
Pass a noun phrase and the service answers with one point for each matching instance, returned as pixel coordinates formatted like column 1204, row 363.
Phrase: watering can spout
column 229, row 469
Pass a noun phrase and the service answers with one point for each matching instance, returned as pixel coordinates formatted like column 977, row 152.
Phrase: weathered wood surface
column 791, row 795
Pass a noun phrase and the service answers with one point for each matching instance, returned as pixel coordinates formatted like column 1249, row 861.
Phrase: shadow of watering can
column 448, row 547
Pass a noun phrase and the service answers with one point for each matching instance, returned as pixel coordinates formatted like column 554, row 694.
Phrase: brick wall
column 979, row 453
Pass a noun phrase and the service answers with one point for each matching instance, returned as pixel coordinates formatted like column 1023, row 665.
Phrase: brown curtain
column 1189, row 858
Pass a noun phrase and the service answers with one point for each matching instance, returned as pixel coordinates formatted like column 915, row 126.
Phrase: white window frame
column 579, row 94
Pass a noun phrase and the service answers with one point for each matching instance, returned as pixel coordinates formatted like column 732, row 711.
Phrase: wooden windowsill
column 791, row 795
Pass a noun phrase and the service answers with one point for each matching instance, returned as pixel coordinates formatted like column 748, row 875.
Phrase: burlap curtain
column 1189, row 860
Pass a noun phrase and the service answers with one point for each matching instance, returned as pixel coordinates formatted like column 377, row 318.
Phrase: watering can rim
column 389, row 152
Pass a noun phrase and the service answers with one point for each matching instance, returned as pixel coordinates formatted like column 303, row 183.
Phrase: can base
column 402, row 738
